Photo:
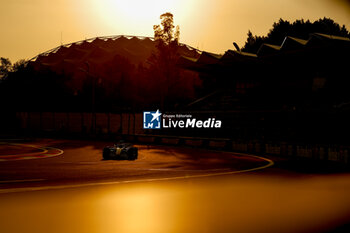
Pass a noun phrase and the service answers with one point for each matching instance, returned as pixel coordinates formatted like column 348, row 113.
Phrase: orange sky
column 29, row 27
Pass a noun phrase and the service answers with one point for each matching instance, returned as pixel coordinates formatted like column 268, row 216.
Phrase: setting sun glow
column 33, row 27
column 114, row 12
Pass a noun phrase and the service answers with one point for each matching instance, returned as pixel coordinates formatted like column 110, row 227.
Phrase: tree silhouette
column 167, row 41
column 18, row 65
column 5, row 67
column 163, row 62
column 253, row 42
column 299, row 28
column 165, row 33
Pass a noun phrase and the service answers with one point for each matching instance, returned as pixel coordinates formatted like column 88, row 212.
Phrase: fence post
column 109, row 123
column 53, row 122
column 82, row 122
column 134, row 123
column 68, row 122
column 28, row 121
column 121, row 123
column 129, row 123
column 41, row 122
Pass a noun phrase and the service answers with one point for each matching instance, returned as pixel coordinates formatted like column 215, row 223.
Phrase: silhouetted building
column 309, row 73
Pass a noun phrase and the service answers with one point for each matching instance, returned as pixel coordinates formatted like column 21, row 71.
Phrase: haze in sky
column 29, row 27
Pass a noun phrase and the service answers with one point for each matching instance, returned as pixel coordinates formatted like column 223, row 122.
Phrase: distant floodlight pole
column 236, row 46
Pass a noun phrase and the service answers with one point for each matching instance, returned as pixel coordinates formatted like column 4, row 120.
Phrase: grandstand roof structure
column 97, row 54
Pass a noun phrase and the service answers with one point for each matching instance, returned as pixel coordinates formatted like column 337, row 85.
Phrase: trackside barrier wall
column 81, row 123
column 320, row 152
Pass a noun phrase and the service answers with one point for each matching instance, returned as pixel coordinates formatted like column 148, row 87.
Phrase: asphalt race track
column 80, row 162
column 64, row 186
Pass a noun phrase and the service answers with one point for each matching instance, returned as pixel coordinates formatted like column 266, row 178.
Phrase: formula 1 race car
column 120, row 151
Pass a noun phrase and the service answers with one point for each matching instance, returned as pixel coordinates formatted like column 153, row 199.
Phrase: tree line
column 299, row 28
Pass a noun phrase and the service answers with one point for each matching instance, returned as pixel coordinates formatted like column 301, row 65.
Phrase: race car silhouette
column 120, row 151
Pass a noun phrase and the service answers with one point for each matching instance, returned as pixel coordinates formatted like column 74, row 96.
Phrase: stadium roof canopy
column 107, row 42
column 97, row 55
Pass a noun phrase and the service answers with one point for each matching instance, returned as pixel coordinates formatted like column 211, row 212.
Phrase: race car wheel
column 106, row 154
column 133, row 152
